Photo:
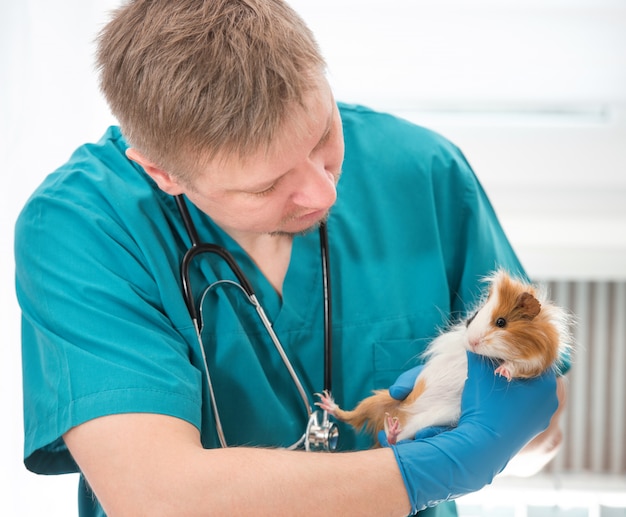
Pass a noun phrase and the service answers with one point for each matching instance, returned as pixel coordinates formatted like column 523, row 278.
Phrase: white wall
column 49, row 103
column 533, row 91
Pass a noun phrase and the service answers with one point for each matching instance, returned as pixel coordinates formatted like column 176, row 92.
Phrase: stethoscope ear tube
column 328, row 331
column 189, row 226
column 197, row 248
column 184, row 275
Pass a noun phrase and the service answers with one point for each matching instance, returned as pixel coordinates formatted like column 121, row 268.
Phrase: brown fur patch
column 418, row 389
column 530, row 335
column 528, row 306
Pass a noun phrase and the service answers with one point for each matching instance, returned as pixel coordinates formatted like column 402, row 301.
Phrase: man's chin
column 291, row 227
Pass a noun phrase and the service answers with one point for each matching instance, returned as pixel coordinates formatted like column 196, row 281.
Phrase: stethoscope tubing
column 197, row 248
column 328, row 310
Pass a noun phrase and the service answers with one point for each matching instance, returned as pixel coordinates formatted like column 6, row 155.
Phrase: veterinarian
column 138, row 386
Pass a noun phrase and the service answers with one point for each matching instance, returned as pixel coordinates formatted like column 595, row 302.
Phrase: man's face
column 287, row 189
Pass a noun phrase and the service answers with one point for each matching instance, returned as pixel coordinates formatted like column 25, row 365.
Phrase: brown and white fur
column 516, row 325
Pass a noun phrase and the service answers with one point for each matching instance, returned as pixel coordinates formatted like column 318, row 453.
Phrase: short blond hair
column 189, row 80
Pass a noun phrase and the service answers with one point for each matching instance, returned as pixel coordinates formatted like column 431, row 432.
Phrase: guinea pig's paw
column 504, row 371
column 326, row 402
column 392, row 426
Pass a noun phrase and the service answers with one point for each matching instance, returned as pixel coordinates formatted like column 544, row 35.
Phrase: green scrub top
column 106, row 329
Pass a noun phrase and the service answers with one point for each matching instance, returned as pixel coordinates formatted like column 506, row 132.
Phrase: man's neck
column 271, row 254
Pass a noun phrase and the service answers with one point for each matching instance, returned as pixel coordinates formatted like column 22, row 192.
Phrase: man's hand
column 498, row 418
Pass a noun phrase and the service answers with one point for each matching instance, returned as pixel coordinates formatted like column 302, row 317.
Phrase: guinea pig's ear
column 528, row 306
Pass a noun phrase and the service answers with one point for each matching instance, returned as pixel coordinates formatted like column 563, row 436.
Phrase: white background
column 533, row 91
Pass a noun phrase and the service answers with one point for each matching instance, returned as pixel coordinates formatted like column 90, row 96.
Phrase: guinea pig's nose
column 474, row 342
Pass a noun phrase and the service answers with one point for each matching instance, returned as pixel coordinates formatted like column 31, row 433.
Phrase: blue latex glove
column 497, row 419
column 400, row 389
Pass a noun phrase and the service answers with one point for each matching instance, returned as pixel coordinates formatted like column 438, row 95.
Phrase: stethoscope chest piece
column 320, row 435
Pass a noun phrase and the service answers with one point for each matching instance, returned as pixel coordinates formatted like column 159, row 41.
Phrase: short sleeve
column 96, row 339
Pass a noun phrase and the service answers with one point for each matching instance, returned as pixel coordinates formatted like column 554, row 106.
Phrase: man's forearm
column 144, row 464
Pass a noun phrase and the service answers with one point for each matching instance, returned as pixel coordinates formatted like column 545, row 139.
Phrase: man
column 225, row 102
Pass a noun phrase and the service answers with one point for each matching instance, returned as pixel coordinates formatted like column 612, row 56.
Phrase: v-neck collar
column 302, row 286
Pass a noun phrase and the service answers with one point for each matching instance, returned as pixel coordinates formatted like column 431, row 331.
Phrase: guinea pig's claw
column 503, row 371
column 326, row 401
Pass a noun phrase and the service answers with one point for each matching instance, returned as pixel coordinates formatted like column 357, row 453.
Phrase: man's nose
column 316, row 187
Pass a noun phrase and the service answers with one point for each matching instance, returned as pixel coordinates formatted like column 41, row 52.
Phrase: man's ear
column 166, row 182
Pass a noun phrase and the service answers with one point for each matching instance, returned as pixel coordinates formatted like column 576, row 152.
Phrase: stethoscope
column 320, row 434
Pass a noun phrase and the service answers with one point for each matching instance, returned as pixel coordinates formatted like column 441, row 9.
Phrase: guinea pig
column 516, row 326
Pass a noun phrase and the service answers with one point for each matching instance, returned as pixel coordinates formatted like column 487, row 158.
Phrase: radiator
column 594, row 422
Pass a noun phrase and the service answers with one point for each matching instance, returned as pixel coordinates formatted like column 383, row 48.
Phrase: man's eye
column 266, row 191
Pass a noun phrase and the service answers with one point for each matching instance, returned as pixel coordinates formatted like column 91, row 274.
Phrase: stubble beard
column 305, row 231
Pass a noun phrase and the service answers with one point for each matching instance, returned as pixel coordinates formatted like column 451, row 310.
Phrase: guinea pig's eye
column 501, row 322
